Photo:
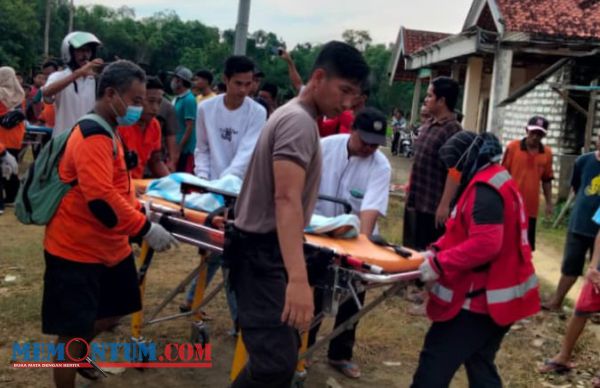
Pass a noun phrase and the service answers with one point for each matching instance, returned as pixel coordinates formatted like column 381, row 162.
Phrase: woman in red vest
column 479, row 273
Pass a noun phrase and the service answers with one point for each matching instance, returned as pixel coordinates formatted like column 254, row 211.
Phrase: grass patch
column 392, row 225
column 388, row 333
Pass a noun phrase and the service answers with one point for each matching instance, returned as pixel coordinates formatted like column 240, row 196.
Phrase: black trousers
column 531, row 232
column 340, row 348
column 470, row 339
column 9, row 187
column 259, row 280
column 419, row 229
column 395, row 141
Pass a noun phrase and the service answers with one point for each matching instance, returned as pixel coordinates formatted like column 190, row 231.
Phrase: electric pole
column 241, row 28
column 71, row 12
column 47, row 28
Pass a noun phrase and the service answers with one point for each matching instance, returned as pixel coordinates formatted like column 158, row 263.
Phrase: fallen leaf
column 550, row 385
column 537, row 343
column 332, row 383
column 114, row 371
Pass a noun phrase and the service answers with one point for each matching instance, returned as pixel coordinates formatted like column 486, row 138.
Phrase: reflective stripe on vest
column 442, row 292
column 499, row 179
column 504, row 295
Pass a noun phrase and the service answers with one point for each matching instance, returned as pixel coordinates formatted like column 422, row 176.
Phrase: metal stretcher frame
column 354, row 272
column 35, row 136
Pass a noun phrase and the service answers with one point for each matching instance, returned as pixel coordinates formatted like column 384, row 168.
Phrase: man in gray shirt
column 264, row 247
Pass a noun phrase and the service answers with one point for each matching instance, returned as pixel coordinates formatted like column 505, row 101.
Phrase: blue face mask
column 132, row 114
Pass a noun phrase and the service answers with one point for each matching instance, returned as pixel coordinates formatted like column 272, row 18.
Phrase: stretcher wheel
column 200, row 333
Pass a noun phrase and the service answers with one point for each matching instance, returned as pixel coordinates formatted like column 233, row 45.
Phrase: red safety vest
column 511, row 290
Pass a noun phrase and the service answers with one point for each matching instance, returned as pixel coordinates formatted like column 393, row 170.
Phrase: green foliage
column 17, row 47
column 163, row 41
column 360, row 39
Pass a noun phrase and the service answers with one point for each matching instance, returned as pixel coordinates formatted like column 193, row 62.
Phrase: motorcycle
column 406, row 144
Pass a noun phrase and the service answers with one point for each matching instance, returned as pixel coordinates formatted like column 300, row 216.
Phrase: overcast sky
column 314, row 21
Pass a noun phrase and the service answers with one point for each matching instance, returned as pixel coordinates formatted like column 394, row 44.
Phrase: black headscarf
column 469, row 153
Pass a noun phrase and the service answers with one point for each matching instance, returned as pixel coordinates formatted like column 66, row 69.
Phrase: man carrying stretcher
column 356, row 172
column 91, row 279
column 479, row 273
column 264, row 248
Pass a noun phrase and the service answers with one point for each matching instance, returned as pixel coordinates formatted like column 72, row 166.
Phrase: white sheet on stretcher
column 169, row 188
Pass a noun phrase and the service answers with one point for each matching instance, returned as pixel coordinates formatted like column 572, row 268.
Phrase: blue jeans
column 213, row 262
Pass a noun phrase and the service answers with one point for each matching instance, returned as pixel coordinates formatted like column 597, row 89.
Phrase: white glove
column 159, row 238
column 428, row 274
column 9, row 165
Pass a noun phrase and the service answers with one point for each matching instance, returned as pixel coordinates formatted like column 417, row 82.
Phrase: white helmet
column 77, row 39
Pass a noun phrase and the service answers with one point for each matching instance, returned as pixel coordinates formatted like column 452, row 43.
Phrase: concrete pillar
column 470, row 108
column 416, row 107
column 500, row 88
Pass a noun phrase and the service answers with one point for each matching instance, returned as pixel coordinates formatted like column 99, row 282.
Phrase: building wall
column 545, row 102
column 596, row 128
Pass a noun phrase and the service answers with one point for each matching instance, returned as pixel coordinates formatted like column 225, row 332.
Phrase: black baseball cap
column 371, row 125
column 537, row 123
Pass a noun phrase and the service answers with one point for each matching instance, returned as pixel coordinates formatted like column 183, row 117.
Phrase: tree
column 360, row 39
column 18, row 30
column 33, row 28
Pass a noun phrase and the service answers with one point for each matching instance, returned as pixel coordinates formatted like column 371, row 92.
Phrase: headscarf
column 465, row 153
column 11, row 92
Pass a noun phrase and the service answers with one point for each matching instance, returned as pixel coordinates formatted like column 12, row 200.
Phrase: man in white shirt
column 355, row 171
column 227, row 128
column 73, row 90
column 228, row 125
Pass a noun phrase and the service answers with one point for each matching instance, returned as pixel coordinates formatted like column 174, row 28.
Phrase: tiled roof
column 414, row 40
column 558, row 18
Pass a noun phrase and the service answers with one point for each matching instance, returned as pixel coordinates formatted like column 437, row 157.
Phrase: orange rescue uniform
column 96, row 217
column 528, row 170
column 12, row 138
column 143, row 141
column 48, row 115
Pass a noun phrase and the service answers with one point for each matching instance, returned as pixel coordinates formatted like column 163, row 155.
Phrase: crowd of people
column 471, row 209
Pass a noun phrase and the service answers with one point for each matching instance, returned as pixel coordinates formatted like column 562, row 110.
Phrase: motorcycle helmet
column 75, row 40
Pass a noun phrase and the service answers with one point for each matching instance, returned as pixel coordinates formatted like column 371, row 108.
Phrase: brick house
column 518, row 58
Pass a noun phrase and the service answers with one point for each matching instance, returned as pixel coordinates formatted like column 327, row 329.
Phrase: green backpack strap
column 106, row 126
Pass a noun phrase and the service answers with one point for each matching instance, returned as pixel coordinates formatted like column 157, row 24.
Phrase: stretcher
column 343, row 268
column 35, row 136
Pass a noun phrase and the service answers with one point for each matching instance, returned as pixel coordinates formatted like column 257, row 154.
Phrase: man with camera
column 73, row 90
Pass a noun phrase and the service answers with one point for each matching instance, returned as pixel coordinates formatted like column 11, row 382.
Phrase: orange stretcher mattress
column 360, row 247
column 363, row 249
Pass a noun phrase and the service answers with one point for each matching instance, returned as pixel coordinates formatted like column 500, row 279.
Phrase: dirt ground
column 388, row 344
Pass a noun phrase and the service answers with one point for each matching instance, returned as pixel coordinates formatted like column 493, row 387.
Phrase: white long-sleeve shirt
column 362, row 182
column 225, row 139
